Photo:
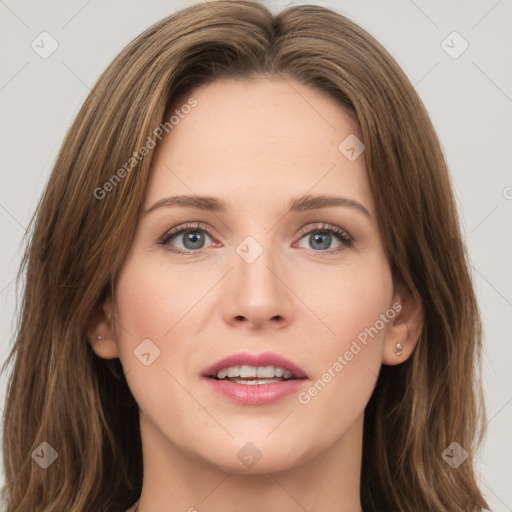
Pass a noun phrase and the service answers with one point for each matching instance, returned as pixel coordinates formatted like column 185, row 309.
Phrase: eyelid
column 322, row 226
column 188, row 226
column 345, row 238
column 341, row 234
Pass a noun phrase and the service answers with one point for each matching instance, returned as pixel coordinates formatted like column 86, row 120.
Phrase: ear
column 405, row 327
column 100, row 331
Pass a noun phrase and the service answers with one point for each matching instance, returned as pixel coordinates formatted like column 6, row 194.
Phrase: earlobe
column 395, row 353
column 398, row 349
column 404, row 333
column 101, row 334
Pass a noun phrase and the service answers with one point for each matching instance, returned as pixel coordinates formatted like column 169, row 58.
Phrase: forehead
column 263, row 140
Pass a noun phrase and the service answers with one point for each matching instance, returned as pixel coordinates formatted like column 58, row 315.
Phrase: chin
column 258, row 457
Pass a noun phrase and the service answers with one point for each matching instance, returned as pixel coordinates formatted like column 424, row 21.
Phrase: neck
column 177, row 480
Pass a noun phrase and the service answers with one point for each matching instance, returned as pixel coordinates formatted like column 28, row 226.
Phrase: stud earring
column 99, row 338
column 399, row 348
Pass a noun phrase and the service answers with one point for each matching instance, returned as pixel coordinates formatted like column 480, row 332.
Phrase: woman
column 188, row 342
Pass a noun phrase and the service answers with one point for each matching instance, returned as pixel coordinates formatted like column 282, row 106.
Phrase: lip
column 258, row 394
column 263, row 359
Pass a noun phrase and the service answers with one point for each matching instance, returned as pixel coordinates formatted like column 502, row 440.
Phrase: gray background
column 469, row 99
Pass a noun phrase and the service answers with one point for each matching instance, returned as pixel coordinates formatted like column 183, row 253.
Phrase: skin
column 257, row 145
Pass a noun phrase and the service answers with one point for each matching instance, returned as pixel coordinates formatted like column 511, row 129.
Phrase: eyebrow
column 213, row 204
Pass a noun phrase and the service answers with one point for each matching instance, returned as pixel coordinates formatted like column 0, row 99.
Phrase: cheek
column 147, row 308
column 356, row 306
column 350, row 299
column 151, row 299
column 151, row 316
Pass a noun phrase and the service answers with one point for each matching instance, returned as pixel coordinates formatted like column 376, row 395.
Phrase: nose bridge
column 255, row 257
column 257, row 292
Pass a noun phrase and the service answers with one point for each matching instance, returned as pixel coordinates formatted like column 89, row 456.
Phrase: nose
column 258, row 294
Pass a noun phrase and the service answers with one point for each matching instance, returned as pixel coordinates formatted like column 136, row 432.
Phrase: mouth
column 252, row 375
column 254, row 369
column 255, row 379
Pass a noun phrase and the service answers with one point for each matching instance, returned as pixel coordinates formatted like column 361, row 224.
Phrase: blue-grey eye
column 193, row 240
column 322, row 239
column 189, row 239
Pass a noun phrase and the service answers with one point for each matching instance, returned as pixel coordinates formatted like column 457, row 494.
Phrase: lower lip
column 258, row 394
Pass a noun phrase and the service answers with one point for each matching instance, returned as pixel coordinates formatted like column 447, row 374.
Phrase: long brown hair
column 60, row 393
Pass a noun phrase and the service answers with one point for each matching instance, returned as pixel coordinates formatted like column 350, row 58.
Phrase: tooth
column 234, row 371
column 256, row 382
column 247, row 371
column 265, row 372
column 278, row 371
column 222, row 373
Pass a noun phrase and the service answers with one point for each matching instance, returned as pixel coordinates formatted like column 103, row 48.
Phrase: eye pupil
column 196, row 238
column 319, row 238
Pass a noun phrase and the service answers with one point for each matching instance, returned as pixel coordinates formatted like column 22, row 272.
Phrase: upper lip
column 263, row 359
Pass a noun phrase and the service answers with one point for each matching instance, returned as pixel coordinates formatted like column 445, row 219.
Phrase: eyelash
column 339, row 233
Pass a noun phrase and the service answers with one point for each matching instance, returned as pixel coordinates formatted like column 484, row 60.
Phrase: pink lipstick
column 255, row 379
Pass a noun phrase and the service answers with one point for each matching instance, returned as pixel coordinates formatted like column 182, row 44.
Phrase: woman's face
column 255, row 277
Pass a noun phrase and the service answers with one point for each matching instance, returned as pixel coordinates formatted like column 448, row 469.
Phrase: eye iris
column 194, row 237
column 320, row 237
